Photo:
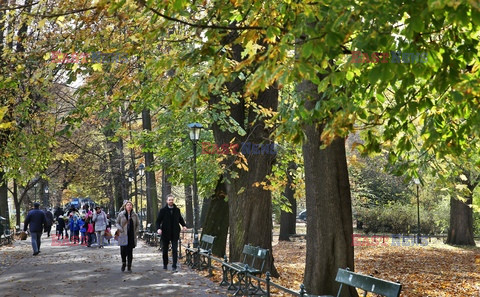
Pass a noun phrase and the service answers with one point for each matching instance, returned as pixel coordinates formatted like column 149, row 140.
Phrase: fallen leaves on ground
column 433, row 270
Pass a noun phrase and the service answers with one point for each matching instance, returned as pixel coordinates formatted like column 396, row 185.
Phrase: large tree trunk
column 166, row 186
column 188, row 206
column 4, row 198
column 250, row 206
column 203, row 211
column 328, row 200
column 461, row 222
column 151, row 183
column 217, row 223
column 16, row 201
column 117, row 165
column 288, row 220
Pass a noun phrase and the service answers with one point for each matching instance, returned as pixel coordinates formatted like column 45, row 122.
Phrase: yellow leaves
column 47, row 56
column 97, row 67
column 41, row 23
column 4, row 125
column 67, row 157
column 251, row 49
column 60, row 21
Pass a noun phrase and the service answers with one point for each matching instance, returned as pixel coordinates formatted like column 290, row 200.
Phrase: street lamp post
column 417, row 182
column 194, row 137
column 45, row 200
column 141, row 172
column 130, row 180
column 35, row 186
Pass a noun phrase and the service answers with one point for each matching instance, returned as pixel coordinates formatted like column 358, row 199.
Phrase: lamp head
column 195, row 131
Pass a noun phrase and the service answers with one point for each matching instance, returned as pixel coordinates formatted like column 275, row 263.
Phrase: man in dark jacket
column 169, row 220
column 36, row 219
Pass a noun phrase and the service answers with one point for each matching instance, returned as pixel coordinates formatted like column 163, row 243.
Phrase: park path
column 80, row 271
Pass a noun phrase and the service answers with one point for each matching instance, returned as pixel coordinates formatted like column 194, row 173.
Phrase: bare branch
column 18, row 7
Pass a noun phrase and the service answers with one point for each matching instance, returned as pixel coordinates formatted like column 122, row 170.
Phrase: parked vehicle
column 302, row 215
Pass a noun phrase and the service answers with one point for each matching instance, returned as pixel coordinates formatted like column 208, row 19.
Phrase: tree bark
column 217, row 223
column 288, row 220
column 461, row 222
column 151, row 184
column 166, row 186
column 250, row 207
column 117, row 167
column 4, row 198
column 203, row 210
column 461, row 215
column 328, row 201
column 188, row 206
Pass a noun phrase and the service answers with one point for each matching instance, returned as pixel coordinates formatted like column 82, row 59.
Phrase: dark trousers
column 127, row 253
column 48, row 230
column 90, row 238
column 165, row 244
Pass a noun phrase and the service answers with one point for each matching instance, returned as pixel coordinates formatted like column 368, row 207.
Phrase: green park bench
column 253, row 264
column 200, row 257
column 366, row 283
column 148, row 234
column 5, row 234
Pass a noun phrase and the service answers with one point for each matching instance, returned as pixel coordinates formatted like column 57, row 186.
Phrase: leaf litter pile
column 433, row 270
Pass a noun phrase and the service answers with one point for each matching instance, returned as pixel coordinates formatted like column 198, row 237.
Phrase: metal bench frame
column 367, row 283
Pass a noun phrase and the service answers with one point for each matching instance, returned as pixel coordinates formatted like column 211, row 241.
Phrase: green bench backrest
column 254, row 256
column 207, row 241
column 368, row 283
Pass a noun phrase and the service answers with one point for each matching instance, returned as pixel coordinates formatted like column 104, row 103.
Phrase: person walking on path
column 36, row 219
column 49, row 223
column 60, row 226
column 168, row 224
column 127, row 225
column 90, row 229
column 100, row 219
column 74, row 225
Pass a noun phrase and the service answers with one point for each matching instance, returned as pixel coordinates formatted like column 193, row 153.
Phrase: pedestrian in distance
column 90, row 229
column 100, row 219
column 74, row 225
column 168, row 224
column 60, row 226
column 49, row 223
column 128, row 226
column 35, row 220
column 83, row 230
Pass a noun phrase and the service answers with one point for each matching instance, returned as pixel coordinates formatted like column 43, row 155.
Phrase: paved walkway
column 80, row 271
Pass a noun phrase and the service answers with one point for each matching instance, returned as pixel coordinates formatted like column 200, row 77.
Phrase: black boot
column 123, row 266
column 129, row 268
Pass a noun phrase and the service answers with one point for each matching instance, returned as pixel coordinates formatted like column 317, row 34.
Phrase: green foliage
column 402, row 218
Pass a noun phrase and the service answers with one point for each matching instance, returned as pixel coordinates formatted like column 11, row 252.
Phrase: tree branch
column 203, row 26
column 17, row 7
column 56, row 15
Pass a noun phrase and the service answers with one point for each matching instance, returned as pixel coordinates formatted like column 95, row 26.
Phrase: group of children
column 82, row 228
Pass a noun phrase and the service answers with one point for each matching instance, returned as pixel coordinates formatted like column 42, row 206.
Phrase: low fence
column 266, row 281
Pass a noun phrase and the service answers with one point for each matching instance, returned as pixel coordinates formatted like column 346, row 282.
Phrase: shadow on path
column 81, row 271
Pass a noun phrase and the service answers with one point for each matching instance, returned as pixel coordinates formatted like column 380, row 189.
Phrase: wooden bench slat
column 368, row 283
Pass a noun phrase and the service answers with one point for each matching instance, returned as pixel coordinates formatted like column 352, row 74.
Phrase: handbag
column 123, row 240
column 23, row 235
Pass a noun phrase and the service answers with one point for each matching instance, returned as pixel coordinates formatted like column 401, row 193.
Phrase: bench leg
column 224, row 281
column 242, row 289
